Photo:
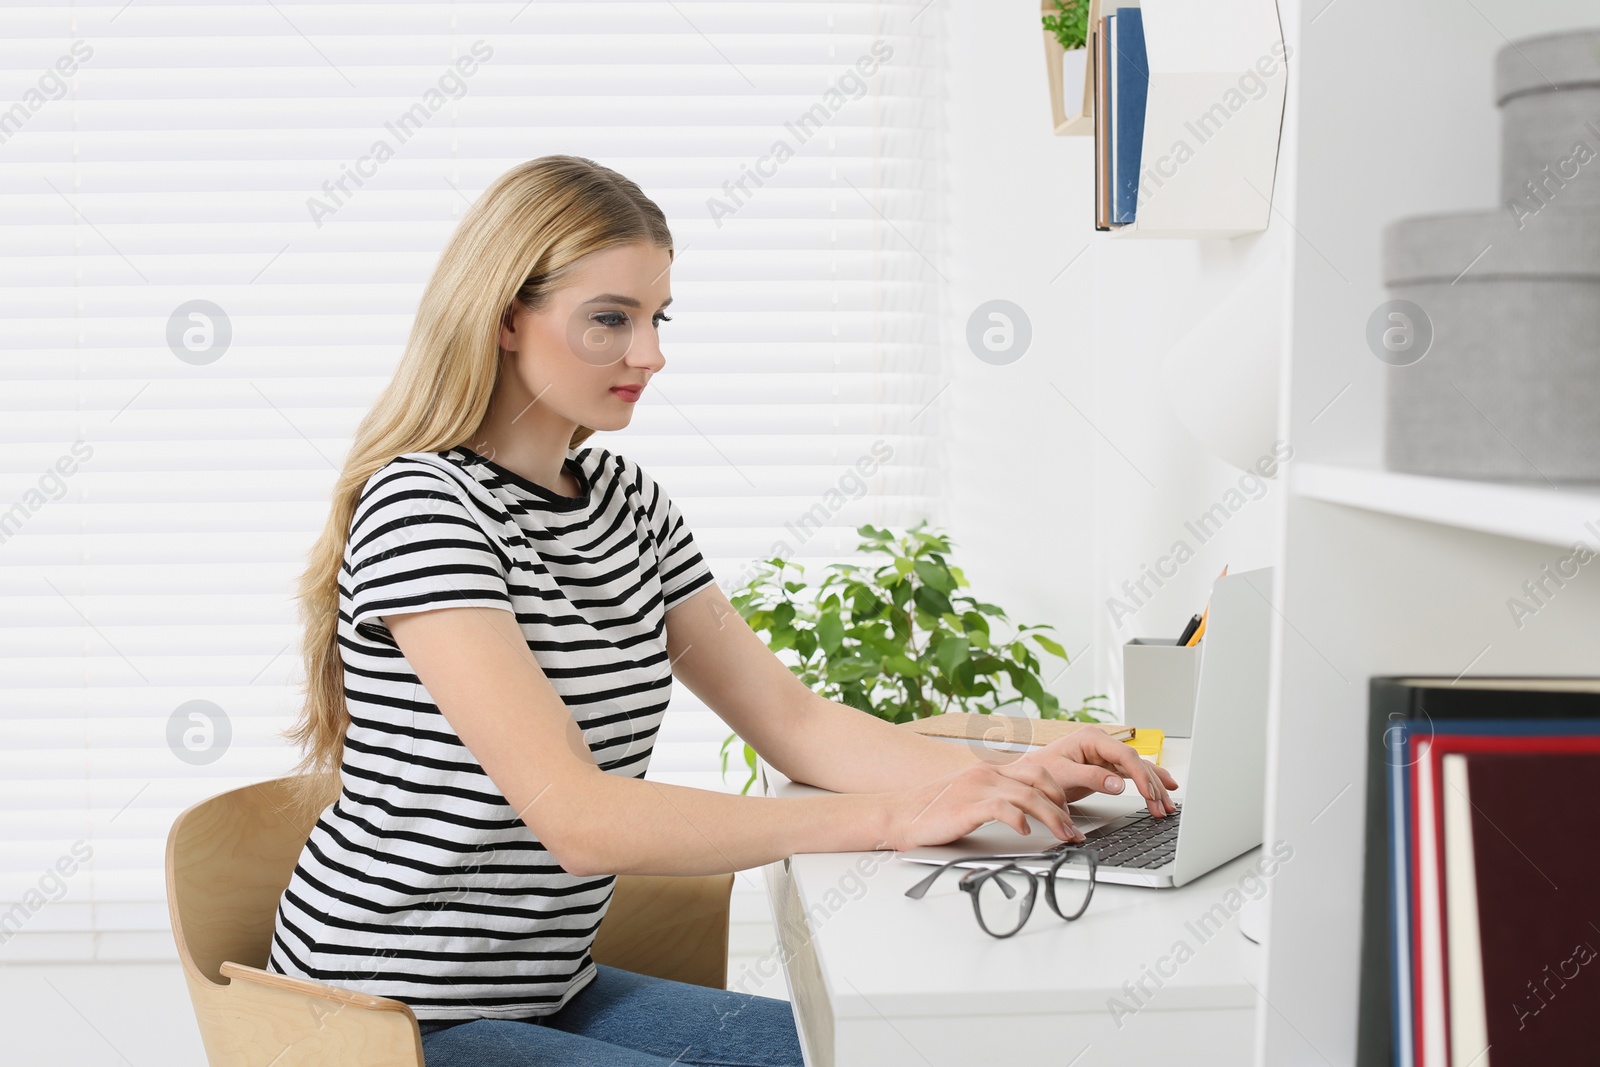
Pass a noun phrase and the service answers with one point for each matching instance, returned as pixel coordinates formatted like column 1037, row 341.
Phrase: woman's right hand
column 957, row 804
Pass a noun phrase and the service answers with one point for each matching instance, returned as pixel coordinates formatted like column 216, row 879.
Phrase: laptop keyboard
column 1147, row 842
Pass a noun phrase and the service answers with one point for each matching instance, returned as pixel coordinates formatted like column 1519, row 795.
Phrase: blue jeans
column 624, row 1019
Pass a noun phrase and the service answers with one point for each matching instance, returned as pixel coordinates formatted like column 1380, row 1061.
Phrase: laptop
column 1221, row 805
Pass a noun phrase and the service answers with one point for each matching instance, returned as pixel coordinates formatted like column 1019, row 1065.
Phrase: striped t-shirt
column 419, row 882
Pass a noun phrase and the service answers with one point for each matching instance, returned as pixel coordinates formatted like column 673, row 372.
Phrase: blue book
column 1130, row 70
column 1398, row 741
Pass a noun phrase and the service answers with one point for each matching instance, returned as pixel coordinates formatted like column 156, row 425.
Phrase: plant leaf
column 952, row 652
column 935, row 575
column 830, row 632
column 932, row 600
column 1050, row 646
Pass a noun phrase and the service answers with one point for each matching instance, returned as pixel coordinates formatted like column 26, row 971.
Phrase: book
column 1102, row 127
column 1113, row 95
column 1438, row 1007
column 1469, row 1035
column 1429, row 1013
column 1399, row 708
column 1008, row 729
column 1131, row 70
column 1397, row 874
column 1533, row 881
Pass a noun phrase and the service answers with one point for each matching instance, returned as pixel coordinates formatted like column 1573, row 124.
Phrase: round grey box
column 1548, row 91
column 1510, row 387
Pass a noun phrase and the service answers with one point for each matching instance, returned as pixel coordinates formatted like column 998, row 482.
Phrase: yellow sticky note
column 1147, row 743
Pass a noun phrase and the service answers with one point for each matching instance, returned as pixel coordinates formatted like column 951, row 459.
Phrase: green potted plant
column 1070, row 25
column 899, row 641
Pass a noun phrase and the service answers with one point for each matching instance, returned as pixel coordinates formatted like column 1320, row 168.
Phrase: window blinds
column 218, row 219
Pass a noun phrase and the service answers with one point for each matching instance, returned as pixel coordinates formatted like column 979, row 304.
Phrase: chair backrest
column 229, row 859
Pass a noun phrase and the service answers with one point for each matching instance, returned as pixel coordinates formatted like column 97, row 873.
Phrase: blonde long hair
column 517, row 242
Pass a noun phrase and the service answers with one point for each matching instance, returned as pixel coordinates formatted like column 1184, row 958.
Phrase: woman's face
column 589, row 353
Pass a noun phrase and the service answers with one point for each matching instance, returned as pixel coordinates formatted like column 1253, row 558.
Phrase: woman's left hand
column 1079, row 762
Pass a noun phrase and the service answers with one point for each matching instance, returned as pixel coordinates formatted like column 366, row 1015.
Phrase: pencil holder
column 1159, row 681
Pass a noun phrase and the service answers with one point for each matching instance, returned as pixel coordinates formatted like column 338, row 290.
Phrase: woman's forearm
column 636, row 826
column 850, row 751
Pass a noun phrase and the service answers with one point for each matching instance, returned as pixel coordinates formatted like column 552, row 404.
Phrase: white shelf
column 1528, row 513
column 1213, row 117
column 1213, row 114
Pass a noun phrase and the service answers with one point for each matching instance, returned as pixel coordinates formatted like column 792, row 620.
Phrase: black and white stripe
column 420, row 882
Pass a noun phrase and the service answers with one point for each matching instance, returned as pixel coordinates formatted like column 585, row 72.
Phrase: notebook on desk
column 1224, row 800
column 1008, row 729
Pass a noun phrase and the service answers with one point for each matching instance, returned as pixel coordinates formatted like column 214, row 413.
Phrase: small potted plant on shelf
column 1070, row 25
column 899, row 641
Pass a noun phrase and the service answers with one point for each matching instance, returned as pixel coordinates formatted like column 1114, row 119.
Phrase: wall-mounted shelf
column 1533, row 513
column 1213, row 116
column 1071, row 106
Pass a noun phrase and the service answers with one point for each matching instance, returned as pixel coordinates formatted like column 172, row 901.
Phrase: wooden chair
column 228, row 861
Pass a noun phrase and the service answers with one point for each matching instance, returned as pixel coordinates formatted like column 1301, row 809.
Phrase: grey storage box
column 1509, row 387
column 1159, row 681
column 1496, row 372
column 1548, row 90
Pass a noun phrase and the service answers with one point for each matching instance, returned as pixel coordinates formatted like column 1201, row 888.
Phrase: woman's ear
column 508, row 327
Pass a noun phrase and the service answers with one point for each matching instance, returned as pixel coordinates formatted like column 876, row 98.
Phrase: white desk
column 879, row 979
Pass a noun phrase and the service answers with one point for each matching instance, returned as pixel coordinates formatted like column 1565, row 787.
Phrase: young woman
column 493, row 620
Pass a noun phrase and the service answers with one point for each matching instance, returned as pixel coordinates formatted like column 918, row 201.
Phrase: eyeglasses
column 1003, row 894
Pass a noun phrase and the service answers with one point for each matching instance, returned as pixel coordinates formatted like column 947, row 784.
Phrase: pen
column 1192, row 637
column 1188, row 631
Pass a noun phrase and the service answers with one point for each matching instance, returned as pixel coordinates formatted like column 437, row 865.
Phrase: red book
column 1431, row 989
column 1535, row 829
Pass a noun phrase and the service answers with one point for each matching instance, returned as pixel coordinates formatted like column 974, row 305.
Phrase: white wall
column 1020, row 461
column 1070, row 468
